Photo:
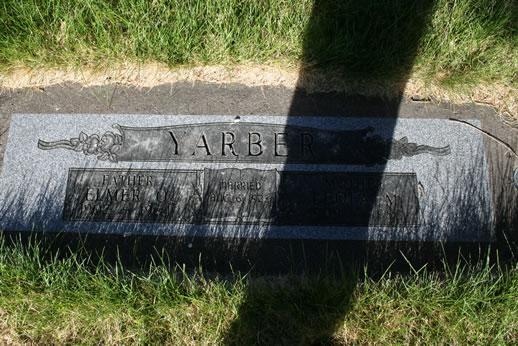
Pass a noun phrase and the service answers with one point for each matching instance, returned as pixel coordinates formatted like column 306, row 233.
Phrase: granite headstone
column 247, row 176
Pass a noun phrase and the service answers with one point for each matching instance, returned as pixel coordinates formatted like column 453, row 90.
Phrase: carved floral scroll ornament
column 401, row 147
column 105, row 146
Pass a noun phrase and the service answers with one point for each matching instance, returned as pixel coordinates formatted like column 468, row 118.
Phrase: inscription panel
column 242, row 196
column 132, row 195
column 348, row 199
column 239, row 195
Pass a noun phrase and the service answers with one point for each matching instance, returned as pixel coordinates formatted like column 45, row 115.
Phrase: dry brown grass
column 503, row 97
column 8, row 335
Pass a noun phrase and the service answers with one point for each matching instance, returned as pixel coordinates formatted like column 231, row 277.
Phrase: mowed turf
column 71, row 298
column 451, row 41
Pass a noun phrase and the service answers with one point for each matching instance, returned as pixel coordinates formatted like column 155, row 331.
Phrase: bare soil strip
column 504, row 98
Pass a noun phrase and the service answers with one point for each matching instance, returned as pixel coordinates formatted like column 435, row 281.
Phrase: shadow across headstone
column 344, row 42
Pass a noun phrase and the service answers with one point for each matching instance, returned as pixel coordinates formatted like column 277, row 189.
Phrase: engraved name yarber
column 243, row 142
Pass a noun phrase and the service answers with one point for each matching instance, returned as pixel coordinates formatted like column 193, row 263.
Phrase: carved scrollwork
column 105, row 146
column 400, row 148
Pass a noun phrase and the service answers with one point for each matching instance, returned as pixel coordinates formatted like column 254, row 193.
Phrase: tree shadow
column 361, row 46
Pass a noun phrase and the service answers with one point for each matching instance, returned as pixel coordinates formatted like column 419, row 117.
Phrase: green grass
column 453, row 41
column 46, row 298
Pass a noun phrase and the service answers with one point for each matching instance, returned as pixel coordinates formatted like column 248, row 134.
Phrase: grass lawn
column 46, row 298
column 458, row 39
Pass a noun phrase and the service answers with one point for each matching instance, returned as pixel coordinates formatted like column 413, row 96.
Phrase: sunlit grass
column 45, row 298
column 453, row 41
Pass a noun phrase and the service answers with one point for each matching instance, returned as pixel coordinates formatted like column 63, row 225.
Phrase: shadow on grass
column 347, row 40
column 295, row 310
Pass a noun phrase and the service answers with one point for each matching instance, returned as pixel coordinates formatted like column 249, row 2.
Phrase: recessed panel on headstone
column 239, row 196
column 133, row 195
column 261, row 176
column 348, row 199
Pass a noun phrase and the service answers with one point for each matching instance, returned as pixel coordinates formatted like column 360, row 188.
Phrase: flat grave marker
column 247, row 176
